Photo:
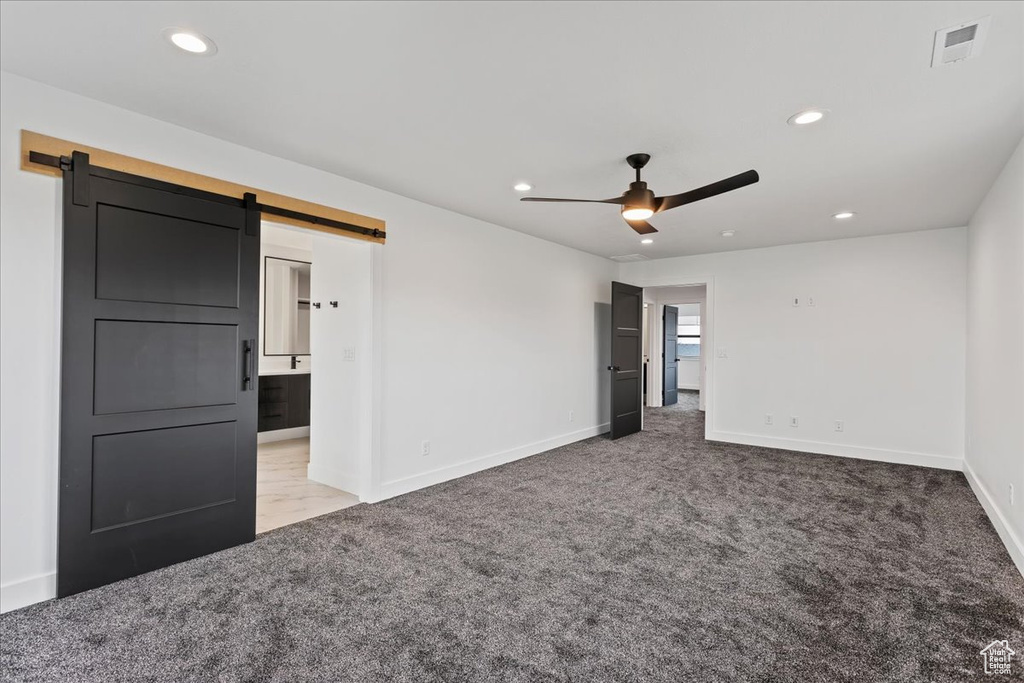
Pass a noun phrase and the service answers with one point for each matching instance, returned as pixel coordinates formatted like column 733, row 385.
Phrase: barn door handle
column 247, row 363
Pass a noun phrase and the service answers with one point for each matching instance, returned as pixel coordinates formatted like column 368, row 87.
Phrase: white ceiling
column 452, row 103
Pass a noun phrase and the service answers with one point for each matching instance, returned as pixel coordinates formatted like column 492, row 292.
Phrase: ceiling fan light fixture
column 637, row 213
column 640, row 203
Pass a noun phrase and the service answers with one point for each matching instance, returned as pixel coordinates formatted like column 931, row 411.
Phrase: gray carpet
column 658, row 557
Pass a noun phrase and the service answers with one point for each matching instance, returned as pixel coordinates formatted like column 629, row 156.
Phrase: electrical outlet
column 796, row 301
column 425, row 448
column 768, row 419
column 572, row 416
column 723, row 352
column 810, row 301
column 348, row 354
column 794, row 421
column 839, row 425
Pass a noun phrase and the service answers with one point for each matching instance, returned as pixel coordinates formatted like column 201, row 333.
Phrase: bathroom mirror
column 285, row 307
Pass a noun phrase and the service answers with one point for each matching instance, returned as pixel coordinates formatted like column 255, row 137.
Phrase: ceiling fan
column 638, row 203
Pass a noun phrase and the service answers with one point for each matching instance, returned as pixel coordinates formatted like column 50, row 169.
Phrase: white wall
column 882, row 347
column 689, row 373
column 484, row 338
column 994, row 456
column 491, row 338
column 342, row 344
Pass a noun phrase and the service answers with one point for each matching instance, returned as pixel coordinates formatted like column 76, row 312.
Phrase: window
column 688, row 342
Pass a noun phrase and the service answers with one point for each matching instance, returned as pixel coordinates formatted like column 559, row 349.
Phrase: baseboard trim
column 1013, row 544
column 282, row 434
column 690, row 387
column 343, row 481
column 18, row 594
column 398, row 487
column 942, row 462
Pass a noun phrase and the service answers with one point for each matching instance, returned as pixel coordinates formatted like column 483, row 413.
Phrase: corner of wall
column 1014, row 545
column 942, row 462
column 994, row 439
column 398, row 487
column 18, row 594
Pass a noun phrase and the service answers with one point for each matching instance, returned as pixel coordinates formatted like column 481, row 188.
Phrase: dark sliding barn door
column 669, row 361
column 627, row 359
column 158, row 398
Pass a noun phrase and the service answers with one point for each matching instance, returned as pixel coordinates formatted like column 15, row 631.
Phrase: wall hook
column 316, row 304
column 334, row 304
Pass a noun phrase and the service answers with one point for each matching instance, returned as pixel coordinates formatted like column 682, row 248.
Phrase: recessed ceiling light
column 647, row 241
column 728, row 233
column 190, row 41
column 522, row 187
column 802, row 118
column 843, row 215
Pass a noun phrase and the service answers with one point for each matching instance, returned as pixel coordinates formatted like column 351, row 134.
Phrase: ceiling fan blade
column 642, row 227
column 616, row 200
column 727, row 185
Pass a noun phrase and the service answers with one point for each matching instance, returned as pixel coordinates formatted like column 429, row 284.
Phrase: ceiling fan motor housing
column 638, row 196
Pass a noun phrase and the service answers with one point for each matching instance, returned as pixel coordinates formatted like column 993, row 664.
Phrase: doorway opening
column 648, row 344
column 294, row 300
column 675, row 346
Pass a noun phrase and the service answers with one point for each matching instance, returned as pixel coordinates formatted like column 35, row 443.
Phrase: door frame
column 366, row 483
column 708, row 340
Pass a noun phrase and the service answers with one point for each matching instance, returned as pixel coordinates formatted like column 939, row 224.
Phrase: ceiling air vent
column 630, row 257
column 960, row 42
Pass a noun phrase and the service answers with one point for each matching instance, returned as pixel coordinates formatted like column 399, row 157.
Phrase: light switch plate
column 348, row 354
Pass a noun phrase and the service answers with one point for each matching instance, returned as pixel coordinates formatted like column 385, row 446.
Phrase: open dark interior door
column 669, row 361
column 627, row 359
column 158, row 372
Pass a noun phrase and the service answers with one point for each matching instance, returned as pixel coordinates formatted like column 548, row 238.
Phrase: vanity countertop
column 285, row 371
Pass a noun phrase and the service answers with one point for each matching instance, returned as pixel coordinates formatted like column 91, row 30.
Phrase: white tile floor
column 283, row 493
